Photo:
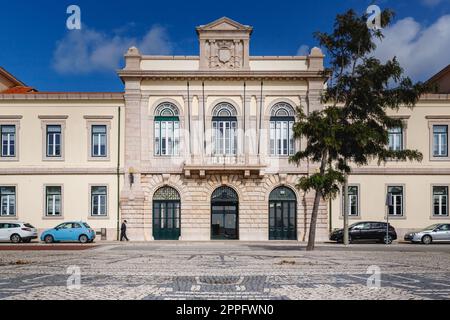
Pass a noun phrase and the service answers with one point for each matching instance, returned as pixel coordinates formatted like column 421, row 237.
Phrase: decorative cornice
column 10, row 117
column 63, row 96
column 53, row 117
column 437, row 117
column 401, row 171
column 58, row 171
column 222, row 75
column 98, row 117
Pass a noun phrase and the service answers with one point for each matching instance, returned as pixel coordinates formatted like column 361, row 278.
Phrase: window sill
column 9, row 159
column 98, row 217
column 6, row 218
column 439, row 217
column 351, row 217
column 53, row 218
column 403, row 217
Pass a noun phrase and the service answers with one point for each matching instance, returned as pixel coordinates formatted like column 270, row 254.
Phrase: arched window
column 282, row 118
column 224, row 124
column 167, row 130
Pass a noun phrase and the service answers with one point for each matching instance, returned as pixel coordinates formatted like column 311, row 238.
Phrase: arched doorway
column 224, row 214
column 166, row 214
column 282, row 214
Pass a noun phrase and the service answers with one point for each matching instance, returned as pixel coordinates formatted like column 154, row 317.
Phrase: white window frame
column 395, row 199
column 8, row 202
column 282, row 142
column 11, row 137
column 352, row 196
column 225, row 139
column 51, row 213
column 98, row 213
column 439, row 145
column 443, row 199
column 396, row 139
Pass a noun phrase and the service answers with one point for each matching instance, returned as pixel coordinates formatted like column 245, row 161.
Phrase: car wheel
column 427, row 239
column 49, row 239
column 15, row 238
column 83, row 239
column 387, row 239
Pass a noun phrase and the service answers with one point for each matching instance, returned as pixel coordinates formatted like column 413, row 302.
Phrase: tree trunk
column 315, row 210
column 346, row 204
column 312, row 226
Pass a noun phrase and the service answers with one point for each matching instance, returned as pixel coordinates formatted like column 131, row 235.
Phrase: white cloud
column 303, row 50
column 421, row 50
column 87, row 50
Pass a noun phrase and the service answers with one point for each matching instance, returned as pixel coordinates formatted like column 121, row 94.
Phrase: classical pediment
column 225, row 24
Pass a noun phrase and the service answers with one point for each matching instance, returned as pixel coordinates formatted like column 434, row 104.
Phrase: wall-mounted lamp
column 131, row 176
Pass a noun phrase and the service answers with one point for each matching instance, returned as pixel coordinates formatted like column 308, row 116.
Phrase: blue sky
column 39, row 50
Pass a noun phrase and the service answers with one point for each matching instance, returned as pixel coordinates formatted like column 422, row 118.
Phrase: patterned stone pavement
column 238, row 271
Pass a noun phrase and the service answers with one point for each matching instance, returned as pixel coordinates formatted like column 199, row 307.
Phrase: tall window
column 353, row 201
column 224, row 124
column 281, row 130
column 53, row 196
column 395, row 194
column 99, row 142
column 53, row 141
column 440, row 201
column 7, row 201
column 396, row 139
column 8, row 140
column 167, row 130
column 99, row 198
column 440, row 141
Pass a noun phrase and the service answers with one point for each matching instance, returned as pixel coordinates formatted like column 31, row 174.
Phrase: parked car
column 74, row 231
column 17, row 232
column 435, row 233
column 366, row 231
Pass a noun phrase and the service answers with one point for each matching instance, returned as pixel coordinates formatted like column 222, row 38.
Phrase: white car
column 434, row 233
column 16, row 232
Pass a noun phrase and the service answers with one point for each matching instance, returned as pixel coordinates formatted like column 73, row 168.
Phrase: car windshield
column 28, row 225
column 86, row 225
column 432, row 227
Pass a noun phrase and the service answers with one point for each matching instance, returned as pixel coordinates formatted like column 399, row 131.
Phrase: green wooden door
column 166, row 214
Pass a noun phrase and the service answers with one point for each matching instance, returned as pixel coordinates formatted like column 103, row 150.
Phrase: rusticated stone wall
column 196, row 193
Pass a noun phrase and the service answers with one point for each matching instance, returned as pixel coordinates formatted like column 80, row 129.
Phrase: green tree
column 353, row 126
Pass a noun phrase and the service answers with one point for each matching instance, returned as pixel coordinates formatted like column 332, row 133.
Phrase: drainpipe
column 118, row 169
column 260, row 120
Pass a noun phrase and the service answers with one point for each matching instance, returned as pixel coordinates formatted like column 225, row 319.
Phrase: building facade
column 198, row 147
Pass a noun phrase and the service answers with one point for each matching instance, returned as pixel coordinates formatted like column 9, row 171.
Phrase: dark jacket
column 123, row 227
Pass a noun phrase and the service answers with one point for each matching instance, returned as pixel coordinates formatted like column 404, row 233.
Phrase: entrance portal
column 166, row 214
column 224, row 214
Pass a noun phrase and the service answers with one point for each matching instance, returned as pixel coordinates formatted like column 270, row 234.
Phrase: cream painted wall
column 31, row 132
column 417, row 200
column 76, row 201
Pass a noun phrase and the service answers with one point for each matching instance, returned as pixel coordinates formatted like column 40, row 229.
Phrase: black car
column 366, row 231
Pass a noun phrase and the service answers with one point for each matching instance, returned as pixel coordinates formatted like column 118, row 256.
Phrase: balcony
column 245, row 165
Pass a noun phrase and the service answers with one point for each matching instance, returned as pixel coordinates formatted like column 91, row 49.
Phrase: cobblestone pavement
column 228, row 271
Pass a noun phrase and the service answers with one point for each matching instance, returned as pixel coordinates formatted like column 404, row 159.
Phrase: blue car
column 69, row 232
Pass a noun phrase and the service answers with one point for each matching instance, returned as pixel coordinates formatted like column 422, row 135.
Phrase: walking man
column 123, row 231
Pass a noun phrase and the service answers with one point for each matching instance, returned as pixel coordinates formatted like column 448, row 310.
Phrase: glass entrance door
column 224, row 222
column 166, row 220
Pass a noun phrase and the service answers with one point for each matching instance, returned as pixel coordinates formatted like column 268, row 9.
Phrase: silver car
column 434, row 233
